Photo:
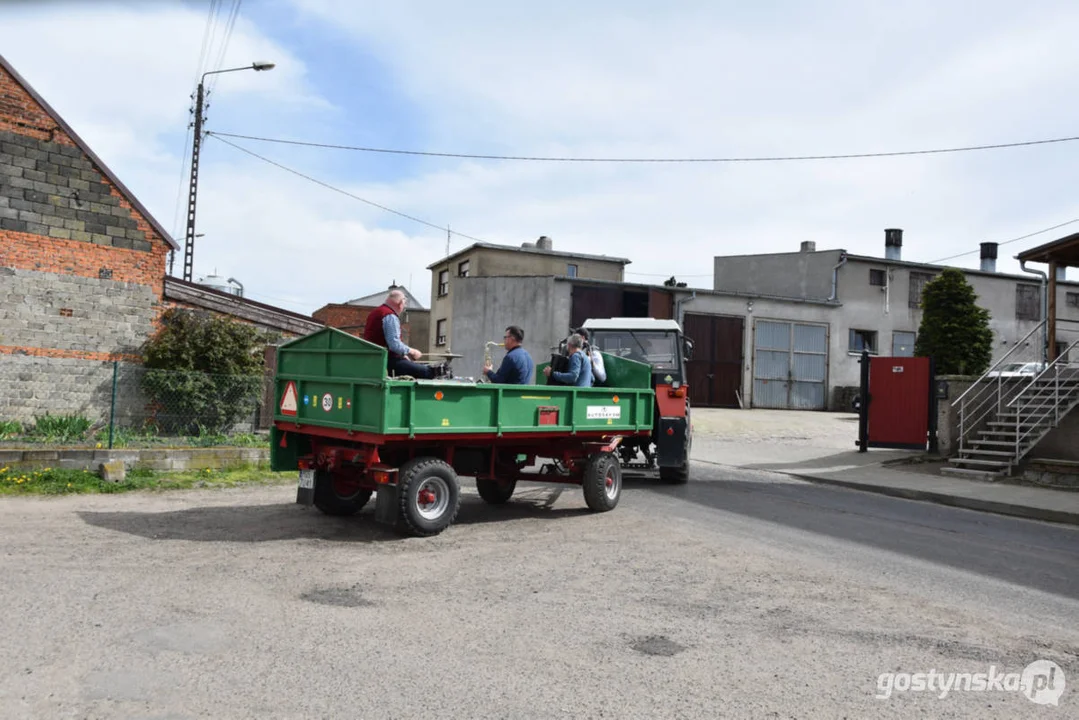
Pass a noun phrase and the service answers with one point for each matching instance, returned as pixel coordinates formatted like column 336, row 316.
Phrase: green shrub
column 10, row 429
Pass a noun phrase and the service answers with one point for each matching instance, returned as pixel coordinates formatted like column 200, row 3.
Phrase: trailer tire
column 496, row 492
column 602, row 483
column 429, row 496
column 330, row 498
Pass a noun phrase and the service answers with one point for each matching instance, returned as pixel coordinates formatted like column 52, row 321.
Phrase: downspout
column 835, row 275
column 1045, row 307
column 678, row 308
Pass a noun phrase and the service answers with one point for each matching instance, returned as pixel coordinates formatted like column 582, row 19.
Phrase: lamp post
column 200, row 95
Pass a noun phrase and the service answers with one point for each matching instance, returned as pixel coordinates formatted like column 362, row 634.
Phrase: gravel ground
column 239, row 603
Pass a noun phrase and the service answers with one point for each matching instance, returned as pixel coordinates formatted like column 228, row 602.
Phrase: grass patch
column 53, row 481
column 10, row 429
column 60, row 428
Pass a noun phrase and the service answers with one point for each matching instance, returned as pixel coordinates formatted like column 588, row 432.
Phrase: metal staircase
column 1001, row 419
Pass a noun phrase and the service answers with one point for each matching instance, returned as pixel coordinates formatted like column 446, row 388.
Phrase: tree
column 203, row 372
column 955, row 330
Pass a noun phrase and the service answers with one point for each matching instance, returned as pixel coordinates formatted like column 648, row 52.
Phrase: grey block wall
column 33, row 386
column 105, row 315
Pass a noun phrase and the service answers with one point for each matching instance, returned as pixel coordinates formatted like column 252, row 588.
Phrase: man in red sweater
column 384, row 328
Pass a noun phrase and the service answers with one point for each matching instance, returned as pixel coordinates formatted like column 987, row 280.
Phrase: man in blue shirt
column 517, row 366
column 580, row 367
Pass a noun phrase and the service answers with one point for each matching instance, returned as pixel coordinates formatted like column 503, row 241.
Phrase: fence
column 118, row 404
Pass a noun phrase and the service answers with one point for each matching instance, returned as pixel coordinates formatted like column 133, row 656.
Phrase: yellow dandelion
column 99, row 446
column 69, row 484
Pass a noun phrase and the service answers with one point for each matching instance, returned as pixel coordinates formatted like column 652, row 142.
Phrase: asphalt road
column 742, row 594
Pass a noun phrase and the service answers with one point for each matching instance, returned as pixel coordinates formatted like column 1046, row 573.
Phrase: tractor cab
column 661, row 344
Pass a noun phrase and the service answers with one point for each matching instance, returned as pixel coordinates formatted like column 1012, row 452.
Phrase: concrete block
column 112, row 471
column 30, row 455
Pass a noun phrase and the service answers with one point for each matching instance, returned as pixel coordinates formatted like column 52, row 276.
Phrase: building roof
column 228, row 304
column 1064, row 251
column 376, row 299
column 81, row 144
column 533, row 251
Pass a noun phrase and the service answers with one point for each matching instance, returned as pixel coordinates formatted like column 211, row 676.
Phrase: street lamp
column 189, row 237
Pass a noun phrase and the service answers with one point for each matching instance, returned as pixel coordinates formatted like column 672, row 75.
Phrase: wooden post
column 1051, row 311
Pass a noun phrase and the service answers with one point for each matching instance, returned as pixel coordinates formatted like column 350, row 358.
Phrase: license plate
column 307, row 479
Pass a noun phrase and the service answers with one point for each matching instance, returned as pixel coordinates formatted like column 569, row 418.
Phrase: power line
column 778, row 158
column 344, row 192
column 1008, row 242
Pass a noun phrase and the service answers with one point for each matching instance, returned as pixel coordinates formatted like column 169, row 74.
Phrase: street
column 742, row 594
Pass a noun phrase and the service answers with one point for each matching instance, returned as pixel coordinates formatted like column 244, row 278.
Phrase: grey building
column 780, row 330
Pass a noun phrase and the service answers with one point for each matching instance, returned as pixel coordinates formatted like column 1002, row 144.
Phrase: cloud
column 625, row 79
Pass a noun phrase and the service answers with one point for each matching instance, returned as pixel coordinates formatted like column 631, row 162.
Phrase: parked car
column 1017, row 370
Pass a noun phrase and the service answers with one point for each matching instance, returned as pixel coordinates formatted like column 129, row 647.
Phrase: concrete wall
column 539, row 305
column 509, row 262
column 1062, row 443
column 800, row 275
column 948, row 416
column 34, row 386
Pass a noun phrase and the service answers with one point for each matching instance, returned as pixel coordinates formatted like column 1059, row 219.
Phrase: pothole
column 338, row 596
column 657, row 645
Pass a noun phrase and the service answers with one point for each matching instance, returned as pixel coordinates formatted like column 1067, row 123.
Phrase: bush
column 203, row 373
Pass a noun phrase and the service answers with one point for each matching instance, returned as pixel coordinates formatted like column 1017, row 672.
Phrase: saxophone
column 487, row 355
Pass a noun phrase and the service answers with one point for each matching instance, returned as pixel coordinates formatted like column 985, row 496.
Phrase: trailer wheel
column 337, row 495
column 429, row 495
column 496, row 492
column 602, row 482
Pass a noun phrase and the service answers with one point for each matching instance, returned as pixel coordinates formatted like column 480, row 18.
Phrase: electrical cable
column 345, row 192
column 777, row 158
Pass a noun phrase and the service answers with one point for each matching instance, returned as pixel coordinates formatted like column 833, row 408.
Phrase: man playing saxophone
column 517, row 366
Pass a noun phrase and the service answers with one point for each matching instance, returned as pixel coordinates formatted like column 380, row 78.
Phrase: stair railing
column 988, row 395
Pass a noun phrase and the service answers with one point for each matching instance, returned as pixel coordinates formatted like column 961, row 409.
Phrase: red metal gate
column 898, row 406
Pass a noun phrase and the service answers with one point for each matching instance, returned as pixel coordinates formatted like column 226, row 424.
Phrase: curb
column 991, row 506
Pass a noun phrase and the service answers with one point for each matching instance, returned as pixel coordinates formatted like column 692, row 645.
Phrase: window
column 877, row 277
column 903, row 344
column 1028, row 302
column 863, row 340
column 462, row 268
column 571, row 270
column 1072, row 300
column 443, row 283
column 918, row 281
column 440, row 332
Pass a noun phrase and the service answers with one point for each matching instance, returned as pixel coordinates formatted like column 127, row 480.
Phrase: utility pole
column 193, row 188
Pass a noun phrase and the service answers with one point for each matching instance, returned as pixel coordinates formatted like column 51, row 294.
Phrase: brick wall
column 350, row 318
column 81, row 269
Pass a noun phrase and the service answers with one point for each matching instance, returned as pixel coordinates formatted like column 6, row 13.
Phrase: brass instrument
column 487, row 354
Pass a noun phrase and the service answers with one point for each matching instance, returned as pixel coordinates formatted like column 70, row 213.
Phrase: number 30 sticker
column 327, row 402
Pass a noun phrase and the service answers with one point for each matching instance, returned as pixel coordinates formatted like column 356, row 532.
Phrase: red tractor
column 661, row 344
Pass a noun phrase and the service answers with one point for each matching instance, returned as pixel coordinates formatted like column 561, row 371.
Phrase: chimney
column 989, row 257
column 808, row 246
column 544, row 243
column 1062, row 271
column 893, row 244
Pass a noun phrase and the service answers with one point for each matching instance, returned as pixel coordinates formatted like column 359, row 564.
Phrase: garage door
column 790, row 365
column 715, row 372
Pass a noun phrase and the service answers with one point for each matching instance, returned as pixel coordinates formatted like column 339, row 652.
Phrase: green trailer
column 351, row 432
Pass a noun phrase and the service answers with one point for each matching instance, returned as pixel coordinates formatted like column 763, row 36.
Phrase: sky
column 599, row 79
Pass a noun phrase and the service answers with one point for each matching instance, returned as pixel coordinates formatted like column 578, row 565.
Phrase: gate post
column 863, row 409
column 934, row 411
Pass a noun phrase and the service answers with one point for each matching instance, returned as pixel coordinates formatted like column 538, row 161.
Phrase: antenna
column 448, row 233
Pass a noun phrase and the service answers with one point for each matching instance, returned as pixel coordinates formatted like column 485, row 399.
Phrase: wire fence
column 125, row 405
